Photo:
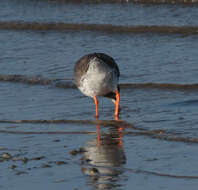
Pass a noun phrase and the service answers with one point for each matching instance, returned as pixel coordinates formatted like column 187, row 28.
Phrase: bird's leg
column 117, row 103
column 96, row 102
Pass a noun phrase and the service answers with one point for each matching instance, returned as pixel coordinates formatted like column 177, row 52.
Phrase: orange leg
column 96, row 102
column 117, row 103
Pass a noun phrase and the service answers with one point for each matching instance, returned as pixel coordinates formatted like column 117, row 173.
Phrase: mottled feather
column 82, row 66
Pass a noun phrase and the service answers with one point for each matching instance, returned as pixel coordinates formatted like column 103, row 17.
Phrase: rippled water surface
column 125, row 14
column 49, row 137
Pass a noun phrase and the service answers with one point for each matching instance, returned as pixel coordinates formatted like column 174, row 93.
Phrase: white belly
column 99, row 80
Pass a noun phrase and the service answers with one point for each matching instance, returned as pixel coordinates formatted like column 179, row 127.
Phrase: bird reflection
column 104, row 157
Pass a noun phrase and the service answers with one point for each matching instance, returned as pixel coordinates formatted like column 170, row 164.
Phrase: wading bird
column 97, row 74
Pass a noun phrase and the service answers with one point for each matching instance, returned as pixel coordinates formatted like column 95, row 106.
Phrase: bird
column 97, row 74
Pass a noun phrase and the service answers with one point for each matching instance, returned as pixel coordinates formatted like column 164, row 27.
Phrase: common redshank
column 97, row 74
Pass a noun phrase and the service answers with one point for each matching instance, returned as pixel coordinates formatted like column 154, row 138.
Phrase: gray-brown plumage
column 97, row 74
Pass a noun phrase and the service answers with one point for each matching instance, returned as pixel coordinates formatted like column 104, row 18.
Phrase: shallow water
column 43, row 117
column 120, row 13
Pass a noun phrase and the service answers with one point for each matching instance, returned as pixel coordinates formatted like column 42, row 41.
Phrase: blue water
column 122, row 160
column 125, row 14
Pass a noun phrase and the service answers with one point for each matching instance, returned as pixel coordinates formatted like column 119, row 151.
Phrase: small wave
column 161, row 174
column 46, row 133
column 168, row 86
column 186, row 103
column 99, row 27
column 186, row 2
column 68, row 83
column 136, row 131
column 36, row 80
column 114, row 123
column 163, row 135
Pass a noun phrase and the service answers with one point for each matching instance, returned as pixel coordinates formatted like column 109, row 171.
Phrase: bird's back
column 97, row 74
column 82, row 65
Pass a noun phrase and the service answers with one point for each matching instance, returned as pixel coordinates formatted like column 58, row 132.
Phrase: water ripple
column 68, row 83
column 14, row 25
